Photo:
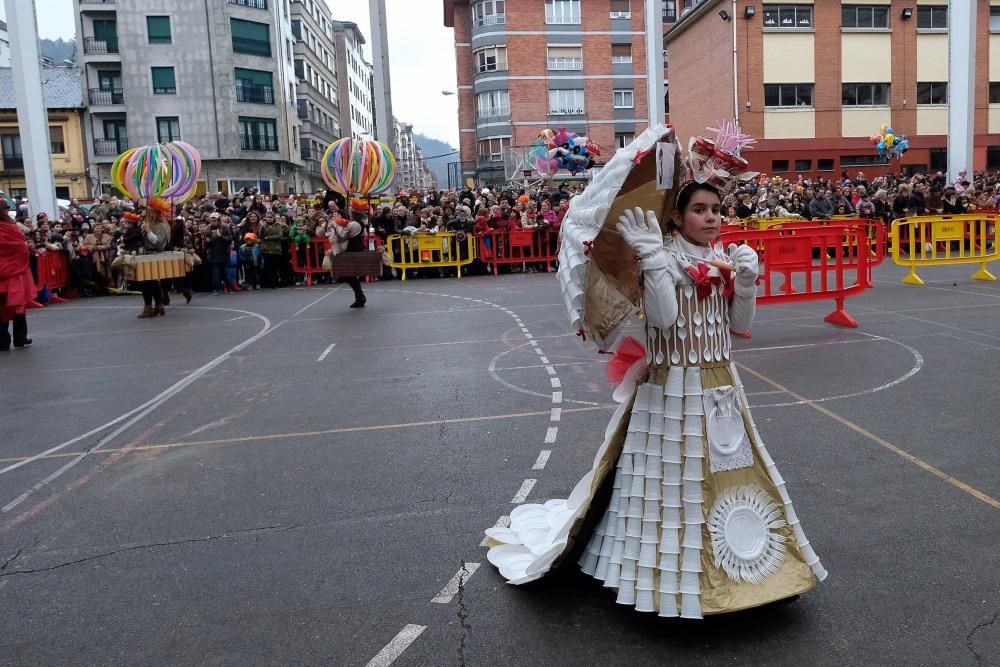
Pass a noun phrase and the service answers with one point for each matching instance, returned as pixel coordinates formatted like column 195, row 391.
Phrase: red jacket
column 17, row 288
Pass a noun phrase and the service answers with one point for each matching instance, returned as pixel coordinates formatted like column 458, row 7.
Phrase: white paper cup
column 675, row 382
column 668, row 605
column 644, row 600
column 647, row 562
column 670, row 545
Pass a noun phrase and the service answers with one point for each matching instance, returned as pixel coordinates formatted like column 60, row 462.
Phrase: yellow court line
column 920, row 463
column 308, row 434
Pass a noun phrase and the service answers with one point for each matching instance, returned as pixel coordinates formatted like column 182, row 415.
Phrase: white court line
column 326, row 352
column 550, row 435
column 543, row 359
column 556, row 383
column 534, row 344
column 147, row 407
column 451, row 588
column 557, row 397
column 538, row 350
column 543, row 458
column 552, row 371
column 522, row 493
column 556, row 414
column 396, row 647
column 794, row 347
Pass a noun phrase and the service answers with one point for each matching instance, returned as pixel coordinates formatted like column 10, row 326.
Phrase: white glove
column 641, row 232
column 744, row 258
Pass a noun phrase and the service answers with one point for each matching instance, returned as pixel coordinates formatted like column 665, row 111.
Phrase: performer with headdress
column 349, row 256
column 155, row 236
column 684, row 512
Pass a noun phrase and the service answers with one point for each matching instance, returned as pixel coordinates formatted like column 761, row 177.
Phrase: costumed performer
column 155, row 237
column 17, row 287
column 684, row 512
column 348, row 236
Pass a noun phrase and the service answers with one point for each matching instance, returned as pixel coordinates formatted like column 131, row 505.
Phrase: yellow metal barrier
column 929, row 241
column 427, row 251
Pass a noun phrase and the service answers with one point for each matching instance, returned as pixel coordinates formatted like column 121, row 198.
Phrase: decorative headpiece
column 360, row 206
column 720, row 163
column 132, row 217
column 159, row 205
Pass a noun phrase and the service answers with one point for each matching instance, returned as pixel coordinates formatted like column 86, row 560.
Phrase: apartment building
column 355, row 79
column 65, row 107
column 218, row 75
column 4, row 45
column 412, row 172
column 527, row 65
column 318, row 92
column 815, row 78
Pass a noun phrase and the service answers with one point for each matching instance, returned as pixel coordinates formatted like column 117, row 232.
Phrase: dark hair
column 684, row 199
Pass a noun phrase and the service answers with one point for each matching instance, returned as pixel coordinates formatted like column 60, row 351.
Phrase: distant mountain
column 439, row 166
column 57, row 49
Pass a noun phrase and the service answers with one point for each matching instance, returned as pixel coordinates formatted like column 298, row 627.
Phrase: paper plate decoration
column 168, row 171
column 358, row 167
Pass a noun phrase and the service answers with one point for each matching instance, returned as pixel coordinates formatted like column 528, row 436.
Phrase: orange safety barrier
column 792, row 257
column 874, row 230
column 53, row 272
column 519, row 246
column 310, row 263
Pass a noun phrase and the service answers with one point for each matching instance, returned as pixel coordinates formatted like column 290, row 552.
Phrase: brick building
column 527, row 65
column 814, row 78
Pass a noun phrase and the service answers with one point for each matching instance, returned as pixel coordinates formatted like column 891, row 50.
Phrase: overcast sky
column 421, row 53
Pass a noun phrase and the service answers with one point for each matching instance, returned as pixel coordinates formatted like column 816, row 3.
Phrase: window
column 258, row 134
column 565, row 57
column 865, row 16
column 939, row 159
column 994, row 19
column 256, row 4
column 803, row 165
column 251, row 38
column 860, row 160
column 57, row 144
column 865, row 94
column 824, row 164
column 994, row 92
column 158, row 29
column 993, row 157
column 623, row 139
column 488, row 12
column 779, row 166
column 492, row 150
column 932, row 93
column 620, row 9
column 788, row 94
column 254, row 86
column 932, row 17
column 168, row 128
column 669, row 11
column 300, row 69
column 621, row 54
column 562, row 11
column 491, row 59
column 566, row 102
column 164, row 82
column 788, row 17
column 624, row 99
column 493, row 103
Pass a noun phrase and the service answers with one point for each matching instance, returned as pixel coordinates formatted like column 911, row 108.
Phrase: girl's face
column 702, row 218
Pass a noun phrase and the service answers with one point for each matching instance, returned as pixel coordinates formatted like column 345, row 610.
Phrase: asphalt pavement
column 274, row 478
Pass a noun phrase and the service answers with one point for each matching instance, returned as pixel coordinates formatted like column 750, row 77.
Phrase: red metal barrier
column 792, row 256
column 53, row 272
column 310, row 262
column 519, row 247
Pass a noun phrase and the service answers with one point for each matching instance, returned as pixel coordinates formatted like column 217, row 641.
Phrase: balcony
column 490, row 112
column 251, row 94
column 101, row 97
column 256, row 142
column 252, row 47
column 489, row 19
column 100, row 47
column 110, row 147
column 97, row 2
column 565, row 63
column 255, row 4
column 13, row 162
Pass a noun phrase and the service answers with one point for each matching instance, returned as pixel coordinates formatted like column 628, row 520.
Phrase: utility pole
column 380, row 65
column 961, row 86
column 655, row 90
column 32, row 115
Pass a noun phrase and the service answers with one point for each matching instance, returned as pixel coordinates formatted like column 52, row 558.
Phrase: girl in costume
column 689, row 514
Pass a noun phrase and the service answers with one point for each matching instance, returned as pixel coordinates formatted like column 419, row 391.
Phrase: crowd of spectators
column 245, row 240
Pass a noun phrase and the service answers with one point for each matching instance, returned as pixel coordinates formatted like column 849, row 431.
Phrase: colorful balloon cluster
column 169, row 171
column 358, row 166
column 553, row 151
column 889, row 144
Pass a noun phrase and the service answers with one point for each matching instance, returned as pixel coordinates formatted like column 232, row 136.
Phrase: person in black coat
column 218, row 247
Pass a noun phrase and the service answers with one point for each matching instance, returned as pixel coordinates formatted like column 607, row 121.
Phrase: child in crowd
column 250, row 261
